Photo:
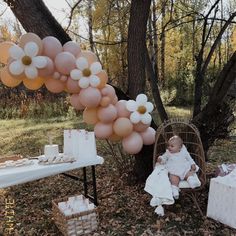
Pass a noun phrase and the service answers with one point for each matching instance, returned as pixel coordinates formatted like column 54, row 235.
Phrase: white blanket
column 159, row 186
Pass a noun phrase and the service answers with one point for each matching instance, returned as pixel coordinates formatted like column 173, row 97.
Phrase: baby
column 179, row 164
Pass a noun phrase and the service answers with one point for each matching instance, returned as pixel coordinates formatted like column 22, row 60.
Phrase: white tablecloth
column 19, row 175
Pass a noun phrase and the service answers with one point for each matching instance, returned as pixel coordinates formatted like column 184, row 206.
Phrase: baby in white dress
column 179, row 164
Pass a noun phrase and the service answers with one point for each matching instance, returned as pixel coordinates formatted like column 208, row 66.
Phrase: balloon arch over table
column 37, row 62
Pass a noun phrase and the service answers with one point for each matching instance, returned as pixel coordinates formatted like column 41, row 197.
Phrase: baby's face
column 173, row 146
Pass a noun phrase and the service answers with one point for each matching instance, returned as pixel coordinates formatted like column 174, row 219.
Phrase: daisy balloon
column 26, row 60
column 140, row 109
column 86, row 74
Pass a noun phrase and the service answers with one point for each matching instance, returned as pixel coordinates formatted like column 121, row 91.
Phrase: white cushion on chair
column 185, row 184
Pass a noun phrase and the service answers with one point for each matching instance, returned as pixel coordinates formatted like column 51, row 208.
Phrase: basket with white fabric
column 75, row 215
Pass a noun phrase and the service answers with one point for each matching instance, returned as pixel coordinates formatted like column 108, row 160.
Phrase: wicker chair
column 191, row 139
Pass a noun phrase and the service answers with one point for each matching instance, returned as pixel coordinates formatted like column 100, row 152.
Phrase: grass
column 123, row 209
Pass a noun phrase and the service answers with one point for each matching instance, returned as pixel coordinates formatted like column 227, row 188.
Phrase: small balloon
column 121, row 109
column 105, row 101
column 90, row 56
column 75, row 102
column 133, row 143
column 103, row 79
column 72, row 86
column 140, row 127
column 90, row 97
column 102, row 130
column 72, row 47
column 54, row 85
column 64, row 62
column 51, row 47
column 122, row 127
column 148, row 136
column 7, row 79
column 107, row 114
column 4, row 49
column 33, row 84
column 90, row 116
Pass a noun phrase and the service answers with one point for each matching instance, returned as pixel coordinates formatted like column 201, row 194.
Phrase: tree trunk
column 213, row 121
column 35, row 17
column 139, row 12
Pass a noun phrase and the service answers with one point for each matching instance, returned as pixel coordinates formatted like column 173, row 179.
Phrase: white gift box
column 80, row 144
column 222, row 200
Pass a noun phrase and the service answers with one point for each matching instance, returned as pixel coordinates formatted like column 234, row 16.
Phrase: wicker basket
column 76, row 224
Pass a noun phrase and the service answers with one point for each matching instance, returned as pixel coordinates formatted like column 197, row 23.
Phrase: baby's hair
column 178, row 139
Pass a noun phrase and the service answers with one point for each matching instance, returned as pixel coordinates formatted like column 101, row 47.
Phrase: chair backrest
column 191, row 139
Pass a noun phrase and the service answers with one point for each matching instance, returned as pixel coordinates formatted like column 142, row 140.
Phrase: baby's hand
column 159, row 159
column 193, row 168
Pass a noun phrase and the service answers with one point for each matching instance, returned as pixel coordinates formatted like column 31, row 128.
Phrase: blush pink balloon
column 90, row 97
column 133, row 143
column 54, row 85
column 148, row 136
column 48, row 70
column 123, row 127
column 121, row 109
column 115, row 100
column 75, row 102
column 51, row 47
column 102, row 130
column 72, row 47
column 72, row 86
column 109, row 91
column 65, row 62
column 107, row 114
column 140, row 127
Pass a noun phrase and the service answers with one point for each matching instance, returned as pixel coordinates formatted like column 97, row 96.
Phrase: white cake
column 51, row 151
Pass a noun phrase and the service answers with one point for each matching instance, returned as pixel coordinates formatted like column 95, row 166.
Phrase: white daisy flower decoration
column 26, row 60
column 140, row 109
column 85, row 74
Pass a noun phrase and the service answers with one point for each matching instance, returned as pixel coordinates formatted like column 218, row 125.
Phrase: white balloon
column 39, row 61
column 16, row 52
column 16, row 68
column 76, row 74
column 31, row 72
column 94, row 81
column 81, row 63
column 135, row 117
column 141, row 99
column 31, row 49
column 131, row 105
column 84, row 82
column 95, row 68
column 149, row 106
column 146, row 118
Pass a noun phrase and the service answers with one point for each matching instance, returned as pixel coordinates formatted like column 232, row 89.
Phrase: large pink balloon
column 148, row 136
column 102, row 130
column 65, row 62
column 123, row 127
column 48, row 70
column 90, row 97
column 72, row 47
column 121, row 109
column 54, row 85
column 72, row 86
column 51, row 47
column 140, row 127
column 75, row 102
column 133, row 143
column 107, row 114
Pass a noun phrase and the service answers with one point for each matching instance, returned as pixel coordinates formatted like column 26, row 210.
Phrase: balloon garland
column 37, row 62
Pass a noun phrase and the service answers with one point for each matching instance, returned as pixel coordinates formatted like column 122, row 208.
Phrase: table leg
column 94, row 186
column 85, row 182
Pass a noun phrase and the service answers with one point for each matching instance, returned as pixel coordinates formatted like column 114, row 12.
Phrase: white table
column 19, row 175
